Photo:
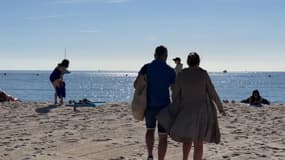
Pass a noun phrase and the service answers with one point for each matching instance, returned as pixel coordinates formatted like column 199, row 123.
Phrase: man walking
column 160, row 77
column 179, row 65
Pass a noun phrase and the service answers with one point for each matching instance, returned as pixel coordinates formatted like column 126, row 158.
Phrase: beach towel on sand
column 139, row 102
column 84, row 103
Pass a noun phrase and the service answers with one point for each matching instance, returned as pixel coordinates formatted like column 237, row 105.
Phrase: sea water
column 117, row 86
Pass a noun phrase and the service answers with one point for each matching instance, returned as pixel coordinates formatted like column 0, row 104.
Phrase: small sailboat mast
column 65, row 54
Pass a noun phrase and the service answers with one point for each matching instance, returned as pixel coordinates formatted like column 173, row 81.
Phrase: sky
column 236, row 35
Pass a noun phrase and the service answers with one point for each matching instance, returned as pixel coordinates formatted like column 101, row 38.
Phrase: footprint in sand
column 9, row 149
column 17, row 146
column 261, row 155
column 5, row 143
column 37, row 152
column 119, row 158
column 226, row 157
column 235, row 154
column 83, row 138
column 102, row 140
column 230, row 127
column 71, row 140
column 237, row 131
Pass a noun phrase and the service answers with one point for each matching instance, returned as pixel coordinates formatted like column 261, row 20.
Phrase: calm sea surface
column 118, row 86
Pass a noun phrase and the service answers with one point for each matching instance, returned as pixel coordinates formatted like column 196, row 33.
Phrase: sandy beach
column 40, row 131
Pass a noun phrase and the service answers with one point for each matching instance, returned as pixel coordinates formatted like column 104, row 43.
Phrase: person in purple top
column 56, row 78
column 160, row 77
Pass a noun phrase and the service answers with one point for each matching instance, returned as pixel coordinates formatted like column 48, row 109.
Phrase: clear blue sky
column 238, row 35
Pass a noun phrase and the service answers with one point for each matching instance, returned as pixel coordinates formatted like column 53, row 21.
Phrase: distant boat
column 225, row 71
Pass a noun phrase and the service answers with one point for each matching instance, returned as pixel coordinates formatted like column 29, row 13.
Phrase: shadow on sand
column 46, row 109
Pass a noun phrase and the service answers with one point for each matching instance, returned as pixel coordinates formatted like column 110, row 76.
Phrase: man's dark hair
column 178, row 59
column 257, row 93
column 193, row 59
column 64, row 63
column 160, row 52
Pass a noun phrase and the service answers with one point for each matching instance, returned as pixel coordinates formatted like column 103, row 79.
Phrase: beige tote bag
column 139, row 102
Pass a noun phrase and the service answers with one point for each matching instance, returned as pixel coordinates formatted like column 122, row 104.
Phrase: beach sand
column 39, row 131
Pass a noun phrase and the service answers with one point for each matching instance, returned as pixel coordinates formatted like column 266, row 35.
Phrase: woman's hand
column 221, row 110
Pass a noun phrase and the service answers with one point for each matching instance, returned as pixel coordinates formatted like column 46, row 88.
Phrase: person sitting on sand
column 4, row 97
column 56, row 79
column 255, row 99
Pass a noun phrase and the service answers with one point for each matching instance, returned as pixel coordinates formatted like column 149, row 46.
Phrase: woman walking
column 193, row 114
column 56, row 79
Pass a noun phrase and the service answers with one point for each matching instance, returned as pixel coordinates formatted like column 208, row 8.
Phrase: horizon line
column 103, row 70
